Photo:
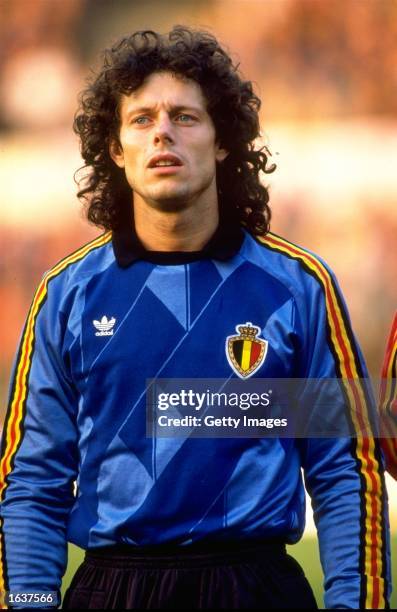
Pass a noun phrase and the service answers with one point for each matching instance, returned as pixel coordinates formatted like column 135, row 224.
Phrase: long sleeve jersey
column 77, row 466
column 388, row 401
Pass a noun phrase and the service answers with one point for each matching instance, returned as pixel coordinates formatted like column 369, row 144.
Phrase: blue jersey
column 76, row 463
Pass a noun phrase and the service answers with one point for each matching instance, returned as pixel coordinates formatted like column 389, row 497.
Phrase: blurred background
column 326, row 72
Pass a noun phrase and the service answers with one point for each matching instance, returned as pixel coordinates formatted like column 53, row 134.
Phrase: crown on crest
column 248, row 331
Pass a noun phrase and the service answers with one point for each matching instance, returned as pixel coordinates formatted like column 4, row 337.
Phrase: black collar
column 225, row 242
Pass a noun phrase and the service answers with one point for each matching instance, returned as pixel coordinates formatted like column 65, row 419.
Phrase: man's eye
column 142, row 120
column 184, row 118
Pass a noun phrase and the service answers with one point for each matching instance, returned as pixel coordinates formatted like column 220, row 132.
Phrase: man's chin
column 170, row 203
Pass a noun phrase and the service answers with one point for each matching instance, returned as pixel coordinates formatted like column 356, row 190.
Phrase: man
column 388, row 401
column 167, row 129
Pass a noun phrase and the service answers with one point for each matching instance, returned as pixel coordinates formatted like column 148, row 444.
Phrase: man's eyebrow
column 140, row 109
column 173, row 109
column 186, row 107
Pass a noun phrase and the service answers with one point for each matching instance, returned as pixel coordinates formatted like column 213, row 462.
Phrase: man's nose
column 164, row 130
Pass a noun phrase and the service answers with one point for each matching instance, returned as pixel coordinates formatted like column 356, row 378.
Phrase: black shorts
column 256, row 575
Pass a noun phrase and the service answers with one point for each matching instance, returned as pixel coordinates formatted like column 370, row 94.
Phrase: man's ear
column 116, row 153
column 220, row 154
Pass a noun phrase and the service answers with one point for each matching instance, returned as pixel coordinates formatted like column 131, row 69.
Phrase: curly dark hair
column 231, row 104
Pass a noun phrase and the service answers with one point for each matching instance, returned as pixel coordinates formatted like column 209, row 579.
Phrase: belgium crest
column 246, row 352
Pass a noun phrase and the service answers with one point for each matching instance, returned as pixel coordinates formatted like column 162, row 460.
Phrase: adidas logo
column 104, row 326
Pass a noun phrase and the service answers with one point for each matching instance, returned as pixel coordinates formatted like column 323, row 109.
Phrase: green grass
column 306, row 552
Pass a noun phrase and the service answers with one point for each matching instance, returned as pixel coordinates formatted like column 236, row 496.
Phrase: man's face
column 167, row 143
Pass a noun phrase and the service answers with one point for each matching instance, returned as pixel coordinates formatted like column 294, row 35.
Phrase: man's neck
column 186, row 230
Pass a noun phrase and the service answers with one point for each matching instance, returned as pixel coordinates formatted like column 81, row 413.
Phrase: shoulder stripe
column 388, row 401
column 389, row 371
column 25, row 353
column 13, row 426
column 348, row 367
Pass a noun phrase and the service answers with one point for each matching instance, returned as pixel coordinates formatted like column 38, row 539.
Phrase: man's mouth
column 163, row 160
